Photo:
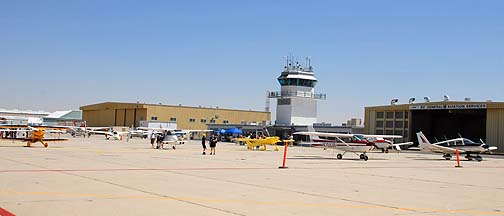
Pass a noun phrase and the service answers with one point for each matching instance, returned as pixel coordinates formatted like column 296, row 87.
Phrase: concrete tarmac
column 92, row 176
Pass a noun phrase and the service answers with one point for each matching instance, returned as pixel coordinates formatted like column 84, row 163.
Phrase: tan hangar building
column 186, row 117
column 439, row 121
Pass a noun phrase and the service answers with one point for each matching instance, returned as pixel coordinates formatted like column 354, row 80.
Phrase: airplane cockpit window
column 359, row 137
column 469, row 142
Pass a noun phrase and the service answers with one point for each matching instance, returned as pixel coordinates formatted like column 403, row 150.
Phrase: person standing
column 152, row 139
column 213, row 143
column 203, row 140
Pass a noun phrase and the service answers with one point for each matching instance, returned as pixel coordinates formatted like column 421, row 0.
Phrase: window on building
column 390, row 115
column 379, row 132
column 153, row 118
column 379, row 124
column 398, row 132
column 406, row 124
column 212, row 121
column 389, row 132
column 406, row 134
column 406, row 115
column 389, row 124
column 203, row 120
column 399, row 115
column 379, row 115
column 172, row 119
column 399, row 124
column 225, row 121
column 192, row 120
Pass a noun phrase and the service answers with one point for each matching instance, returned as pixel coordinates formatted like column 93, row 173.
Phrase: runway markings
column 4, row 212
column 242, row 202
column 135, row 169
column 209, row 168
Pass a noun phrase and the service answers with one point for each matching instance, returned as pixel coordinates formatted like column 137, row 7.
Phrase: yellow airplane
column 35, row 133
column 254, row 143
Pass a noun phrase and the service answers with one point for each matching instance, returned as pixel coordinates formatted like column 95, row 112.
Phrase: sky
column 60, row 55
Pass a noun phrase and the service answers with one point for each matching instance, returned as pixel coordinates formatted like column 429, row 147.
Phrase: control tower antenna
column 267, row 108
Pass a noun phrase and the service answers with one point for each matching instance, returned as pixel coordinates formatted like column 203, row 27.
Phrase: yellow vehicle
column 262, row 142
column 34, row 134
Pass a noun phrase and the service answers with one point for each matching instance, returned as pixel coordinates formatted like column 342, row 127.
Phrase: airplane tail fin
column 422, row 141
column 311, row 129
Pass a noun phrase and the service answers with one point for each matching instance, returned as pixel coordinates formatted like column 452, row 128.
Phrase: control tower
column 297, row 101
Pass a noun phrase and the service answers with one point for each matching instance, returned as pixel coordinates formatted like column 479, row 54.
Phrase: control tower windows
column 297, row 82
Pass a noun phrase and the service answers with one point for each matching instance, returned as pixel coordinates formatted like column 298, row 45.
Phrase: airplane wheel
column 362, row 156
column 478, row 158
column 339, row 156
column 447, row 158
column 383, row 151
column 365, row 158
column 386, row 150
column 470, row 158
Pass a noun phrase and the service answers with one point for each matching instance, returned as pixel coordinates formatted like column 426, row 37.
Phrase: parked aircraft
column 33, row 133
column 448, row 147
column 262, row 142
column 356, row 143
column 115, row 135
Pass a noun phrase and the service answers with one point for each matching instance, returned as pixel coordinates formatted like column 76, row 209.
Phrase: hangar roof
column 442, row 105
column 123, row 105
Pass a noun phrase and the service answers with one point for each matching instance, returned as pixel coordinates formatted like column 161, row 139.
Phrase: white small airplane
column 448, row 147
column 85, row 131
column 172, row 136
column 356, row 143
column 115, row 135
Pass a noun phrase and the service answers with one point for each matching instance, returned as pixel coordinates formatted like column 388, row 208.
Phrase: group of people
column 212, row 141
column 158, row 138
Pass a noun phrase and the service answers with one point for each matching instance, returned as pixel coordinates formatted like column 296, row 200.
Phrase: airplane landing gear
column 447, row 156
column 339, row 156
column 363, row 157
column 478, row 158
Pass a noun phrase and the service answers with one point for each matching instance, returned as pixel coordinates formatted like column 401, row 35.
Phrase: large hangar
column 186, row 117
column 439, row 121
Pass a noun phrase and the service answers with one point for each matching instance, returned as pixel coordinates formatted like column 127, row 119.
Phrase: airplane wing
column 340, row 135
column 102, row 132
column 445, row 149
column 45, row 139
column 9, row 130
column 397, row 146
column 54, row 139
column 155, row 129
column 382, row 136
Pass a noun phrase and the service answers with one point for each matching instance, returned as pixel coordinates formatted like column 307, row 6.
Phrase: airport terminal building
column 186, row 117
column 439, row 121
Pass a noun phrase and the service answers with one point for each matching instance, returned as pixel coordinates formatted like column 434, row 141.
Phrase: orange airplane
column 35, row 133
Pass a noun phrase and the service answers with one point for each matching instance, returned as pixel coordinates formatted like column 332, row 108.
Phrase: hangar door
column 449, row 123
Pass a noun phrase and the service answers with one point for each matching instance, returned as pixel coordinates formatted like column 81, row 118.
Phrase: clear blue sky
column 57, row 55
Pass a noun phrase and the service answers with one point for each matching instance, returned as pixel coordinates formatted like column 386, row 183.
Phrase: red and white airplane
column 357, row 143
